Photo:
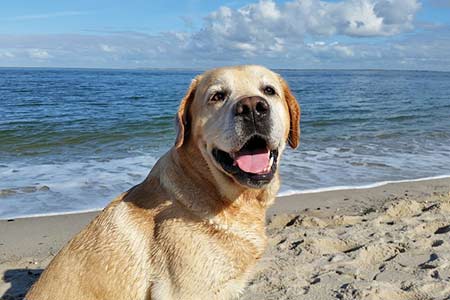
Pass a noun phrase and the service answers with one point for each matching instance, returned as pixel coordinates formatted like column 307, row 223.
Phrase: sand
column 388, row 242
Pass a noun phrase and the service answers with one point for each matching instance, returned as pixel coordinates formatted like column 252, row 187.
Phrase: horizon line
column 207, row 68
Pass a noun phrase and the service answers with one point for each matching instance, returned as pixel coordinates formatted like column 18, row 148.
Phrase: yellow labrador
column 194, row 228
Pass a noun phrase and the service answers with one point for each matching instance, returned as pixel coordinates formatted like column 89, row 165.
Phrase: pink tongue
column 254, row 162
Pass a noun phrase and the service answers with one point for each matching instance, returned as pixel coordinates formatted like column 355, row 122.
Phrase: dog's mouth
column 253, row 165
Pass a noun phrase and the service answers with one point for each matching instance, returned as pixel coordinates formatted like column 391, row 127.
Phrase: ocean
column 73, row 139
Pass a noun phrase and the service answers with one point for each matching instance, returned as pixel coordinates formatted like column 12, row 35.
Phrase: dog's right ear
column 182, row 118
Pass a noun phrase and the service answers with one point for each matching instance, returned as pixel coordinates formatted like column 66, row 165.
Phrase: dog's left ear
column 294, row 114
column 182, row 118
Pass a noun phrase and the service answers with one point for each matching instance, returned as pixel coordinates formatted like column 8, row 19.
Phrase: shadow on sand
column 21, row 281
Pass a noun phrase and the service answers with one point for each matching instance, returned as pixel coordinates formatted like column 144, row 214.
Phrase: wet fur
column 187, row 231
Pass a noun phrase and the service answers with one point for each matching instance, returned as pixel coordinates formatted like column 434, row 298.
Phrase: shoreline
column 294, row 224
column 284, row 194
column 358, row 187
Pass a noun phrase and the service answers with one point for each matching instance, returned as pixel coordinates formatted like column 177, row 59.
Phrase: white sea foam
column 63, row 213
column 285, row 193
column 291, row 192
column 28, row 189
column 44, row 189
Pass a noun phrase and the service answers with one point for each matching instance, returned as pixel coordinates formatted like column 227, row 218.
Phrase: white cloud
column 269, row 29
column 265, row 20
column 45, row 16
column 6, row 54
column 295, row 34
column 324, row 49
column 107, row 48
column 38, row 54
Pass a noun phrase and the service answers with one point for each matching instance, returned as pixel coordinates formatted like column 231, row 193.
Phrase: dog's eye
column 268, row 90
column 218, row 97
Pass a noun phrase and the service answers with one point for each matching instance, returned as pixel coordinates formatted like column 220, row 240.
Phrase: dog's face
column 240, row 118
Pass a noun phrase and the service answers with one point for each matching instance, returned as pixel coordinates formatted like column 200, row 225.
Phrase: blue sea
column 73, row 139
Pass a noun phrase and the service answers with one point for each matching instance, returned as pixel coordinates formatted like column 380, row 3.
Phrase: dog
column 195, row 227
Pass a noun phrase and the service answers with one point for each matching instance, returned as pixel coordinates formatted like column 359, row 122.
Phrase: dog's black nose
column 252, row 108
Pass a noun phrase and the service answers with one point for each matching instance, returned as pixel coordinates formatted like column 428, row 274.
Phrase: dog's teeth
column 267, row 169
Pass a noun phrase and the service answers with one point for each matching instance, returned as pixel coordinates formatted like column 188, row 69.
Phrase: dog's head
column 240, row 119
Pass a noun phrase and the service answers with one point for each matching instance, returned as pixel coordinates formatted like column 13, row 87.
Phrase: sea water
column 73, row 139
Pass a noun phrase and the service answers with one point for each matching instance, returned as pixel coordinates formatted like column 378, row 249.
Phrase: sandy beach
column 387, row 242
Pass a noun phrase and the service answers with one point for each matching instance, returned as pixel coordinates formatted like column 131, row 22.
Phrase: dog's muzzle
column 254, row 164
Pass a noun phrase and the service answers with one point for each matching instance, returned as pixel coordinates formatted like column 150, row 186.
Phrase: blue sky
column 385, row 34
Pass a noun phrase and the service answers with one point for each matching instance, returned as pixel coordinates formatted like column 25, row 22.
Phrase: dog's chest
column 207, row 262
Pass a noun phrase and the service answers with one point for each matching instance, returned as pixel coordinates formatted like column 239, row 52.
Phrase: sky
column 296, row 34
